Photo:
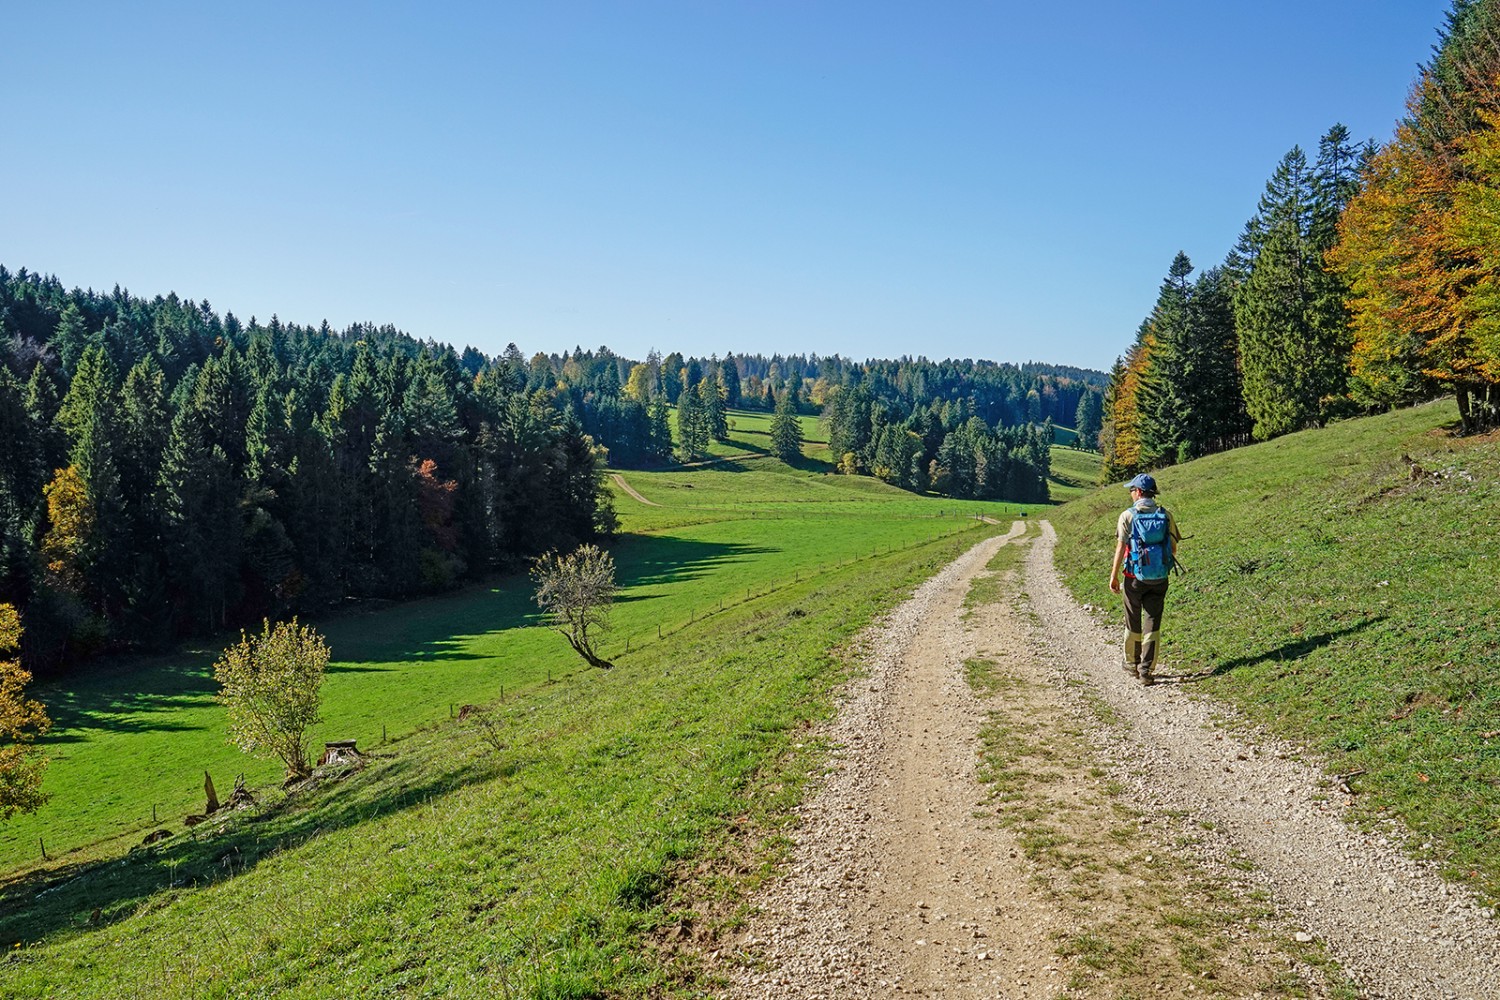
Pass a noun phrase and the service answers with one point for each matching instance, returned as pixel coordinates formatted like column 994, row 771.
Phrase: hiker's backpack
column 1150, row 545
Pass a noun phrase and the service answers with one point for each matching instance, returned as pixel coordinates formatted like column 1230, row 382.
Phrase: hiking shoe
column 1132, row 669
column 1147, row 678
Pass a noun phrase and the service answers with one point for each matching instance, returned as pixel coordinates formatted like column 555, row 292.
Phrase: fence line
column 751, row 594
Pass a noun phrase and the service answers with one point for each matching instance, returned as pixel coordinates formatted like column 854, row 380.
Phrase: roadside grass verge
column 447, row 867
column 1346, row 600
column 1145, row 919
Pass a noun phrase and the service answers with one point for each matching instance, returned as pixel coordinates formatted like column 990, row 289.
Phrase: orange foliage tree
column 1420, row 243
column 1120, row 438
column 21, row 722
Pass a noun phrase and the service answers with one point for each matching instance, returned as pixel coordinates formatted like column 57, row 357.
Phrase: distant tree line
column 1366, row 279
column 172, row 471
column 892, row 428
column 624, row 404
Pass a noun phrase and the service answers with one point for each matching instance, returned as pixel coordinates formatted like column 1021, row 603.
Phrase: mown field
column 533, row 863
column 1347, row 600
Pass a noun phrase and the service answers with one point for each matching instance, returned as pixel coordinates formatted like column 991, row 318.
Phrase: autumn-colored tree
column 439, row 560
column 71, row 516
column 640, row 384
column 1417, row 244
column 1471, row 232
column 1120, row 439
column 21, row 722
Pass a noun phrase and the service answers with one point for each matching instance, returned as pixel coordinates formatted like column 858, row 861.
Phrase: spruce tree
column 692, row 427
column 1164, row 383
column 786, row 429
column 1294, row 342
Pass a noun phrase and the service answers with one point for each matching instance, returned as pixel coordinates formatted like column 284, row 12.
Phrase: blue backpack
column 1150, row 545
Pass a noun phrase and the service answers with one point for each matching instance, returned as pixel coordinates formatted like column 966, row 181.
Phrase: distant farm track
column 620, row 482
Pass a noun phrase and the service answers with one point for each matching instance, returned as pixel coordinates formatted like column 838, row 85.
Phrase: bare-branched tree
column 576, row 591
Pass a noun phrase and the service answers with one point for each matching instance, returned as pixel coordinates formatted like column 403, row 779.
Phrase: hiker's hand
column 1114, row 585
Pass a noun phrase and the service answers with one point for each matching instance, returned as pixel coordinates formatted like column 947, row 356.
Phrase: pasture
column 134, row 736
column 450, row 865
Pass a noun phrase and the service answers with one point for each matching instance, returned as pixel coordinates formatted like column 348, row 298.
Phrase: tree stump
column 340, row 752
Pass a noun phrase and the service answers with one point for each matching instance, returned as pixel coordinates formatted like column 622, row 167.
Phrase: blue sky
column 998, row 180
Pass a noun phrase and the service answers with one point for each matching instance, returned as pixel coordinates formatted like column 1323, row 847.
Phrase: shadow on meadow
column 147, row 694
column 132, row 694
column 87, row 896
column 443, row 628
column 1286, row 652
column 654, row 560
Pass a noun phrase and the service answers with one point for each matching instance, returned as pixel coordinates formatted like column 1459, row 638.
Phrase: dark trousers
column 1144, row 601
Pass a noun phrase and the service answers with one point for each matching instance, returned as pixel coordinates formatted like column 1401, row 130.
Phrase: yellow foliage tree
column 1418, row 245
column 269, row 684
column 1121, row 437
column 638, row 385
column 71, row 515
column 21, row 722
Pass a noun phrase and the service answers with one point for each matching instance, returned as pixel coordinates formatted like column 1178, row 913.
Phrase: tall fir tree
column 1293, row 337
column 786, row 429
column 692, row 426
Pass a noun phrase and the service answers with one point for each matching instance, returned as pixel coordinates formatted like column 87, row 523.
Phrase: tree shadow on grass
column 652, row 560
column 147, row 694
column 88, row 895
column 1289, row 651
column 803, row 463
column 128, row 694
column 440, row 629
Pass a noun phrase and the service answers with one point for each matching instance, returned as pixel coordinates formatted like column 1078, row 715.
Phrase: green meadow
column 1347, row 601
column 536, row 862
column 139, row 733
column 547, row 866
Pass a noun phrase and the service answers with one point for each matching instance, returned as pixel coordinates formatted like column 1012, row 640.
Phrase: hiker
column 1146, row 549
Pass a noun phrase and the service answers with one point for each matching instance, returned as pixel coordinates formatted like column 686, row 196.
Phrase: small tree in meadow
column 269, row 684
column 577, row 591
column 21, row 722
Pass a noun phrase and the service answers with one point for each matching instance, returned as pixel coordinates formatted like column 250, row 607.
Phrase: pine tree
column 692, row 427
column 661, row 430
column 1088, row 419
column 1164, row 383
column 786, row 429
column 729, row 377
column 711, row 396
column 1294, row 344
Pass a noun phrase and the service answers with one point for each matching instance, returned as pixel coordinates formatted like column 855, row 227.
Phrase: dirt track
column 1159, row 855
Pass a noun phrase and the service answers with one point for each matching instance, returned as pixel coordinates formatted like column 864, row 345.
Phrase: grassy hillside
column 1074, row 473
column 136, row 735
column 1347, row 601
column 451, row 866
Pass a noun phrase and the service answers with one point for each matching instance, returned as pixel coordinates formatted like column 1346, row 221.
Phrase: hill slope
column 1342, row 592
column 525, row 859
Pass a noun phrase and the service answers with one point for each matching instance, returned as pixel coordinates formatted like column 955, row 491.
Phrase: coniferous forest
column 171, row 471
column 1366, row 278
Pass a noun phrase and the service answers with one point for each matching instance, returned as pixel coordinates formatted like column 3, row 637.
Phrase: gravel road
column 900, row 883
